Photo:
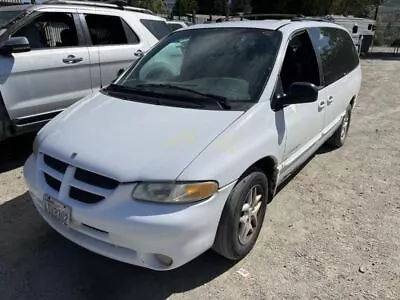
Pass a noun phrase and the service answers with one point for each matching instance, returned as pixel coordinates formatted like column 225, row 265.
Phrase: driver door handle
column 71, row 59
column 321, row 104
column 330, row 100
column 139, row 53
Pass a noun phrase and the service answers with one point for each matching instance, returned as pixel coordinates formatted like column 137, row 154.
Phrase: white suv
column 184, row 151
column 56, row 53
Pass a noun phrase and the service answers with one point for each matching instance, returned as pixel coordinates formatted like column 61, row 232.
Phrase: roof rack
column 317, row 19
column 271, row 16
column 115, row 4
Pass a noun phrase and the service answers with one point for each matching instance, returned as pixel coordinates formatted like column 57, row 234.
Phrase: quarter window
column 110, row 30
column 157, row 28
column 337, row 51
column 174, row 26
column 50, row 30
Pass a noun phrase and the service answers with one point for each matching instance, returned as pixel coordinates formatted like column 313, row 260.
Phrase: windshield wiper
column 220, row 100
column 127, row 93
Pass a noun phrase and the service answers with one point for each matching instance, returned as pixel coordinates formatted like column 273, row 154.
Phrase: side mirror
column 299, row 92
column 355, row 28
column 16, row 45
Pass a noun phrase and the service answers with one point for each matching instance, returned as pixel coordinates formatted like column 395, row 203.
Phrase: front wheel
column 338, row 138
column 242, row 217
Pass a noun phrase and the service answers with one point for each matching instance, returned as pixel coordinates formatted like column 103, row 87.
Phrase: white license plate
column 57, row 210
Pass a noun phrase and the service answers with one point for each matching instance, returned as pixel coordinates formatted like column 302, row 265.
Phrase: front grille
column 82, row 185
column 52, row 182
column 56, row 164
column 84, row 196
column 95, row 179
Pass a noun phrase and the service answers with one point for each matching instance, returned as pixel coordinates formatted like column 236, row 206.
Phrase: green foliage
column 183, row 7
column 157, row 6
column 242, row 6
column 361, row 8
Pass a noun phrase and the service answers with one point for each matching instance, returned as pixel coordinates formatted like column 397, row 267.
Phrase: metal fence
column 10, row 2
column 387, row 26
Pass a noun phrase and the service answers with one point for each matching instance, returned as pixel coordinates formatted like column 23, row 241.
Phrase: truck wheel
column 243, row 216
column 338, row 138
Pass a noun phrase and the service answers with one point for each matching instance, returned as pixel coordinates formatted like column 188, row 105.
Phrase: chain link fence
column 387, row 26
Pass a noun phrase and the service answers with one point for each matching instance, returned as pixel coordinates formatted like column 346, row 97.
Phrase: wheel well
column 268, row 166
column 352, row 101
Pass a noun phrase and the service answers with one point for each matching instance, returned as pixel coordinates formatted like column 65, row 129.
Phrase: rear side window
column 337, row 51
column 109, row 30
column 157, row 28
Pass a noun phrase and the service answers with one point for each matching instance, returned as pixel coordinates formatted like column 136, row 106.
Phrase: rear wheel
column 243, row 216
column 338, row 138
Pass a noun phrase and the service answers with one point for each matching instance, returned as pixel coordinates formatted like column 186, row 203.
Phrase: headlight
column 170, row 192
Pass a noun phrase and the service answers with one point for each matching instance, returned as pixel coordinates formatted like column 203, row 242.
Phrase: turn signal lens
column 174, row 192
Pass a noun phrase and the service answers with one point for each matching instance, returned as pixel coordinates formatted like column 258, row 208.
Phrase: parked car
column 168, row 162
column 53, row 54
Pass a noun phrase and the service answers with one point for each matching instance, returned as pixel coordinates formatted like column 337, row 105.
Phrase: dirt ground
column 333, row 232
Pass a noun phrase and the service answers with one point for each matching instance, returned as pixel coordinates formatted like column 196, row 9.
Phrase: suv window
column 157, row 28
column 110, row 30
column 338, row 53
column 50, row 30
column 174, row 26
column 300, row 63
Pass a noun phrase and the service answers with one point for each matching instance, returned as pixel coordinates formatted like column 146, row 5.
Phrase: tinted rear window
column 337, row 51
column 158, row 28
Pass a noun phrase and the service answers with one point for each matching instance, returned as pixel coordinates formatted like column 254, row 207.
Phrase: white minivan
column 183, row 152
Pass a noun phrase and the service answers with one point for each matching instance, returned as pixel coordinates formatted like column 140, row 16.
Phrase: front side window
column 50, row 30
column 109, row 30
column 337, row 51
column 207, row 65
column 300, row 63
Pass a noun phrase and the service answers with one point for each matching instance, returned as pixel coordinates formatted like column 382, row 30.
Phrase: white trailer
column 362, row 30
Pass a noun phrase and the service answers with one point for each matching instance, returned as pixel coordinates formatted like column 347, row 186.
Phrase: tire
column 339, row 137
column 240, row 213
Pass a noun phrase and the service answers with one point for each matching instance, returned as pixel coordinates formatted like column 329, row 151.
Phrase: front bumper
column 133, row 231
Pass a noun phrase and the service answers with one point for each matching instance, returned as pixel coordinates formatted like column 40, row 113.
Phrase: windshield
column 6, row 16
column 225, row 65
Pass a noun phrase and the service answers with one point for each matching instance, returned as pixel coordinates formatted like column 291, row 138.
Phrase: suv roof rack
column 318, row 19
column 271, row 16
column 115, row 4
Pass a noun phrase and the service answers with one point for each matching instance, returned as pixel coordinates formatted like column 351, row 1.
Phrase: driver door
column 303, row 122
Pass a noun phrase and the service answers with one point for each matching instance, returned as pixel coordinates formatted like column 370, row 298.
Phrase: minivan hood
column 132, row 141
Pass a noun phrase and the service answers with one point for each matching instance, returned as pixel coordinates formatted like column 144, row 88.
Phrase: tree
column 157, row 6
column 241, row 6
column 212, row 6
column 360, row 8
column 183, row 7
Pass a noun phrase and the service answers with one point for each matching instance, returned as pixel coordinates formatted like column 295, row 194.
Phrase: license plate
column 57, row 210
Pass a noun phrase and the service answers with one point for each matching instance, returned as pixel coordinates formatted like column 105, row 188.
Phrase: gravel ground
column 333, row 232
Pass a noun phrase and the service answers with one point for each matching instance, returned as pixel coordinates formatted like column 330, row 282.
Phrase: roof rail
column 271, row 16
column 115, row 4
column 310, row 19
